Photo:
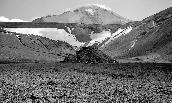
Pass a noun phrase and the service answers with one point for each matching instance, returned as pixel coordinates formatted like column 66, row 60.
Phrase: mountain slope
column 152, row 36
column 15, row 47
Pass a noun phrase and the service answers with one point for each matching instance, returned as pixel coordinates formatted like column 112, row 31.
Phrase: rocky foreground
column 82, row 83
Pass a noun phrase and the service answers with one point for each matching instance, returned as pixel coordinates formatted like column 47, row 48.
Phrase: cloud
column 5, row 19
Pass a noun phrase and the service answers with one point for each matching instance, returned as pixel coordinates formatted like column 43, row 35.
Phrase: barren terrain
column 82, row 83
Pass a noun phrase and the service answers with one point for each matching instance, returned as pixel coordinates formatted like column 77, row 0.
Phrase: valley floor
column 82, row 83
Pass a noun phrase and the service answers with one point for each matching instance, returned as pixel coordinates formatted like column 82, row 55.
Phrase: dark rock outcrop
column 89, row 55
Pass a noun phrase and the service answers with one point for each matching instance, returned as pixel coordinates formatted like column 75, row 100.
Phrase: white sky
column 29, row 9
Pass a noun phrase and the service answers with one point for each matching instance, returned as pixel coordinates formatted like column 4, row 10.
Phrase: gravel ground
column 79, row 83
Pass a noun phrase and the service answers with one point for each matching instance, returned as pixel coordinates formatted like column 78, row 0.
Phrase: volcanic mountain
column 90, row 14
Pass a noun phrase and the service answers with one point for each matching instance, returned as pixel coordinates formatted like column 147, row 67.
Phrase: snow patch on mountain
column 118, row 33
column 90, row 11
column 133, row 43
column 99, row 37
column 69, row 30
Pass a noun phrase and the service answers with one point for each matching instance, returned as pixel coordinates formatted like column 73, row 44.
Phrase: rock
column 89, row 55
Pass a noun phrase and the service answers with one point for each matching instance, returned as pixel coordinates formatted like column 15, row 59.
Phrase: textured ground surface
column 79, row 83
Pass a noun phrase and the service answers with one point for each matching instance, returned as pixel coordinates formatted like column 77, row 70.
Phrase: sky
column 29, row 9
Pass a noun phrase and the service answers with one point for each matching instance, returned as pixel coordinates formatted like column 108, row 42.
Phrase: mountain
column 89, row 20
column 16, row 47
column 149, row 40
column 23, row 47
column 90, row 14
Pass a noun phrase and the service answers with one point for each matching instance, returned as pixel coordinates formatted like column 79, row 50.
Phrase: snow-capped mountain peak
column 89, row 14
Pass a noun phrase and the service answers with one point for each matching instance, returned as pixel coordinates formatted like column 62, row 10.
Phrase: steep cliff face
column 15, row 47
column 151, row 36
